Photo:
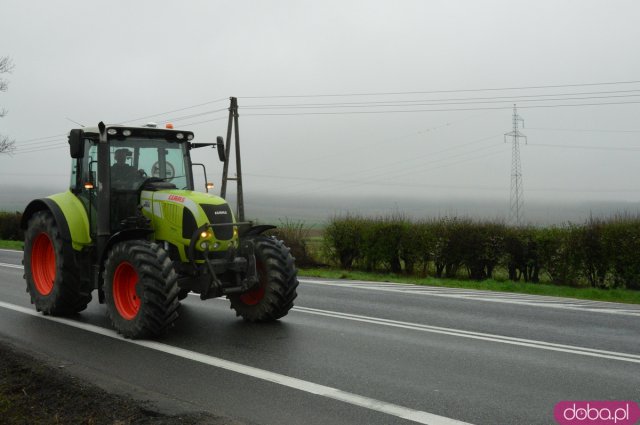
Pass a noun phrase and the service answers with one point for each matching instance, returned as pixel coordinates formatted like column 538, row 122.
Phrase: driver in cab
column 121, row 172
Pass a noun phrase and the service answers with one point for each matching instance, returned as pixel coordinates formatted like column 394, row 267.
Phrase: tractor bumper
column 235, row 273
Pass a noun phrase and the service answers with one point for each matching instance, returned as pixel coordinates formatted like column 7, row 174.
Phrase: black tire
column 183, row 294
column 140, row 288
column 273, row 297
column 53, row 278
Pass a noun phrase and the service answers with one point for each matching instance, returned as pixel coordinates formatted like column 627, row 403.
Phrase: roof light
column 126, row 133
column 189, row 136
column 179, row 136
column 112, row 132
column 169, row 125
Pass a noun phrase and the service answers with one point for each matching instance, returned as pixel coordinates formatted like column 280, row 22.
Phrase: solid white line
column 276, row 378
column 584, row 351
column 12, row 266
column 560, row 303
column 530, row 343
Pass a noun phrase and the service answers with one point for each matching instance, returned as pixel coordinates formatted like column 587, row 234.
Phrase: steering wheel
column 170, row 171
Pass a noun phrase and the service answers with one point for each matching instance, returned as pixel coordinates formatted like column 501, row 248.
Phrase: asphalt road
column 353, row 353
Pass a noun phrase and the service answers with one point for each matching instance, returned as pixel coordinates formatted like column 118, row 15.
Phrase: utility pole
column 516, row 212
column 233, row 123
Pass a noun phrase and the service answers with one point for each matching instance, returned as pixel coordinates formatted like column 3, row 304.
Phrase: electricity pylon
column 516, row 213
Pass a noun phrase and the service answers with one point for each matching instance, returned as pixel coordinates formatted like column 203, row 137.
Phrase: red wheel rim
column 256, row 295
column 125, row 280
column 43, row 264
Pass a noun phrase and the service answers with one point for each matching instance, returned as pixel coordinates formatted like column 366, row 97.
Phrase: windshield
column 134, row 160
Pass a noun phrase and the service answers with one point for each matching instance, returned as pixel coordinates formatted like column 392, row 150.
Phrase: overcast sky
column 396, row 104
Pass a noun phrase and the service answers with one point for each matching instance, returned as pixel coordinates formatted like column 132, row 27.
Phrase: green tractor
column 132, row 227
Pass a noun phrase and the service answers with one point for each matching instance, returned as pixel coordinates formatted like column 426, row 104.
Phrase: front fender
column 256, row 230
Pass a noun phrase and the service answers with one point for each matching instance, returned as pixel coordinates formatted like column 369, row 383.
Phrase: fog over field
column 315, row 211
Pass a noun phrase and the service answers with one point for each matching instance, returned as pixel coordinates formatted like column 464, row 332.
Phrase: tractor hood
column 176, row 214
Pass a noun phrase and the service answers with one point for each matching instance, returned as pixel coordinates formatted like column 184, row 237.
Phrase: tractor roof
column 144, row 131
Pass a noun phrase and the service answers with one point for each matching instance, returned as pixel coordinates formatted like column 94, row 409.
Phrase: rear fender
column 68, row 249
column 69, row 214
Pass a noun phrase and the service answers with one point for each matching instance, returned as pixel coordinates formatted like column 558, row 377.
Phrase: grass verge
column 17, row 245
column 610, row 295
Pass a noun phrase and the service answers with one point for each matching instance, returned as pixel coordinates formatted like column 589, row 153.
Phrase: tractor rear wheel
column 50, row 271
column 140, row 288
column 273, row 296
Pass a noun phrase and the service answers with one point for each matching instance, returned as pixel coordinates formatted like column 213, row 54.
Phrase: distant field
column 316, row 211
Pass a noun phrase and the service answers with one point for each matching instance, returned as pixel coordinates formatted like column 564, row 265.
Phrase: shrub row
column 295, row 235
column 10, row 226
column 598, row 253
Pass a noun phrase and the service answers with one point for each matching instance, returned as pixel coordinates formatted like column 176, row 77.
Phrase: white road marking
column 468, row 334
column 265, row 375
column 531, row 343
column 612, row 355
column 528, row 300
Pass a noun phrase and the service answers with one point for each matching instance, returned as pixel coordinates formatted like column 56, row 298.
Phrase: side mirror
column 76, row 143
column 220, row 147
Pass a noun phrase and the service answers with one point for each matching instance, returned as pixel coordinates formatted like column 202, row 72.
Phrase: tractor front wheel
column 273, row 296
column 52, row 277
column 141, row 290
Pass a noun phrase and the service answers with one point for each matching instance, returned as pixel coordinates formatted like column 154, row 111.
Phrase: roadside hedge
column 599, row 253
column 10, row 226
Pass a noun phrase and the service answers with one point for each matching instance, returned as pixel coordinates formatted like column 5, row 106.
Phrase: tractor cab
column 137, row 159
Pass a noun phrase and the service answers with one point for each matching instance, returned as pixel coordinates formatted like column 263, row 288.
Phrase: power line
column 40, row 139
column 436, row 110
column 185, row 117
column 140, row 118
column 427, row 166
column 40, row 149
column 177, row 110
column 385, row 94
column 437, row 186
column 583, row 130
column 355, row 183
column 403, row 162
column 443, row 91
column 450, row 101
column 202, row 122
column 602, row 148
column 388, row 141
